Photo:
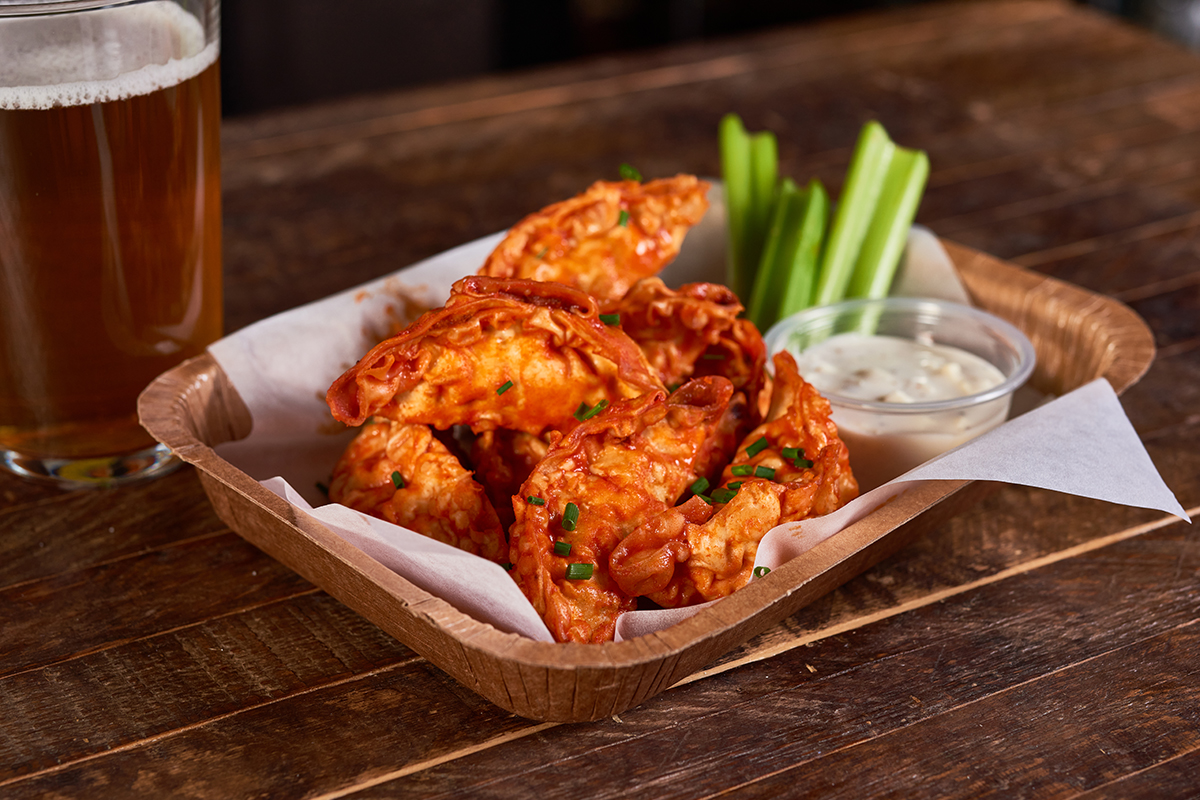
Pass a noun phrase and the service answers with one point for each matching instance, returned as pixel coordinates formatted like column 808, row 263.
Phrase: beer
column 109, row 222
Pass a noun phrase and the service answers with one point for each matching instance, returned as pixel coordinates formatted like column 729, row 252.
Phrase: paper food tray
column 1078, row 335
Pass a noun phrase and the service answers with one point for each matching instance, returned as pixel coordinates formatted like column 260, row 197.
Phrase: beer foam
column 124, row 52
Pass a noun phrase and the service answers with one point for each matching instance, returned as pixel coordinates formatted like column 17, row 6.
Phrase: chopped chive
column 585, row 413
column 535, row 501
column 735, row 485
column 630, row 173
column 757, row 447
column 610, row 319
column 713, row 356
column 699, row 485
column 674, row 387
column 507, row 385
column 623, row 218
column 761, row 571
column 507, row 566
column 705, row 498
column 570, row 517
column 764, row 472
column 723, row 495
column 742, row 470
column 562, row 548
column 579, row 572
column 397, row 480
column 796, row 456
column 542, row 253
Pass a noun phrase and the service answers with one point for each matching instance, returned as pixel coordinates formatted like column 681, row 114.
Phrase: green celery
column 787, row 270
column 750, row 169
column 734, row 146
column 764, row 179
column 888, row 233
column 802, row 276
column 763, row 306
column 856, row 206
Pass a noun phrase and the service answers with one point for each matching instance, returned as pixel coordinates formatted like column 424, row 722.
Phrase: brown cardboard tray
column 1078, row 335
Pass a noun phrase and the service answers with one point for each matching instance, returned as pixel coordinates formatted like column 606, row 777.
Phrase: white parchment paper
column 282, row 367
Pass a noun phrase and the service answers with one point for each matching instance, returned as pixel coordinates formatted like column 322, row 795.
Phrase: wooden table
column 1037, row 645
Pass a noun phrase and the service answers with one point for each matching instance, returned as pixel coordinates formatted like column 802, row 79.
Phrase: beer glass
column 110, row 225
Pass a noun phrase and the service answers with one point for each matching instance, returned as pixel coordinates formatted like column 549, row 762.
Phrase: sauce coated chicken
column 790, row 468
column 530, row 418
column 603, row 240
column 514, row 354
column 629, row 463
column 402, row 473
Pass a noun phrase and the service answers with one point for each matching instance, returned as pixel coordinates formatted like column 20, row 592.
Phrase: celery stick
column 734, row 146
column 763, row 306
column 764, row 177
column 802, row 273
column 787, row 272
column 888, row 232
column 856, row 206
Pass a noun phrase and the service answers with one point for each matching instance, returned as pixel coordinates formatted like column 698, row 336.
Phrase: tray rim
column 501, row 666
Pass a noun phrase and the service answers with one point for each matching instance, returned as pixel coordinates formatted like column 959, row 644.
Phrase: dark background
column 290, row 52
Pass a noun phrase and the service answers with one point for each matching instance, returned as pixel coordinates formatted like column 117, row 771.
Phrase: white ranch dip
column 885, row 443
column 889, row 369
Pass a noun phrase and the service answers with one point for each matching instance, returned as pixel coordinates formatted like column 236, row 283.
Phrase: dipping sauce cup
column 893, row 431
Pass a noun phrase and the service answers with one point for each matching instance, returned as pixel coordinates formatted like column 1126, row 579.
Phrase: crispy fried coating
column 503, row 461
column 698, row 552
column 511, row 354
column 624, row 466
column 403, row 474
column 800, row 417
column 605, row 239
column 692, row 331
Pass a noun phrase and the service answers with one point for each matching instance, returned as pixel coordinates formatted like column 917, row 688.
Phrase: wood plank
column 822, row 45
column 370, row 209
column 95, row 608
column 1173, row 778
column 1044, row 223
column 1084, row 170
column 840, row 712
column 1173, row 316
column 1052, row 732
column 16, row 491
column 1129, row 265
column 1163, row 409
column 161, row 684
column 971, row 646
column 320, row 739
column 69, row 531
